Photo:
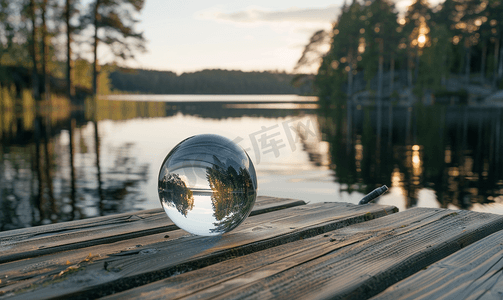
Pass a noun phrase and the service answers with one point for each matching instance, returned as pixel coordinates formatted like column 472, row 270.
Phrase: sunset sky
column 186, row 36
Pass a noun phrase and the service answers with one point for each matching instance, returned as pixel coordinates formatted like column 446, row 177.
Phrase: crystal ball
column 207, row 185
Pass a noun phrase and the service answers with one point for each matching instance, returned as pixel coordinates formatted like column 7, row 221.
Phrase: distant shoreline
column 184, row 98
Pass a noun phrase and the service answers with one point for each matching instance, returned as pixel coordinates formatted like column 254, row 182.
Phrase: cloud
column 292, row 26
column 258, row 15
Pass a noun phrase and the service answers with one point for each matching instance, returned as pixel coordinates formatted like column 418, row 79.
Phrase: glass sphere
column 207, row 185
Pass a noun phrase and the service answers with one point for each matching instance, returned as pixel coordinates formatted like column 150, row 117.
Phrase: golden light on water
column 272, row 106
column 358, row 152
column 453, row 172
column 361, row 48
column 396, row 178
column 421, row 40
column 416, row 161
column 358, row 155
column 448, row 156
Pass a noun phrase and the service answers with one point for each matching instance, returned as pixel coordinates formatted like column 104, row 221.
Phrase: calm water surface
column 434, row 156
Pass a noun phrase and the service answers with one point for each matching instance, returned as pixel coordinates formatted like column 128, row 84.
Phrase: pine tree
column 380, row 36
column 114, row 25
column 417, row 28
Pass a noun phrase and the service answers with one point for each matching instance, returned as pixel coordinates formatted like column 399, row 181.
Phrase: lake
column 54, row 167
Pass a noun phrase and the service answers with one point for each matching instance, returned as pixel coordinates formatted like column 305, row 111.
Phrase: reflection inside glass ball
column 207, row 185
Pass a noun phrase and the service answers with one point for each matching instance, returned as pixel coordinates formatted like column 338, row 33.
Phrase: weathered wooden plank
column 354, row 262
column 22, row 273
column 42, row 240
column 475, row 272
column 109, row 270
column 28, row 270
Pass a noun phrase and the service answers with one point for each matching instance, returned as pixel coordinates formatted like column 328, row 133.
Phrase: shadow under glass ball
column 207, row 185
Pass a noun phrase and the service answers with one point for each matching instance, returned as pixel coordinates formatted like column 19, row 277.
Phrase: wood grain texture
column 475, row 272
column 21, row 273
column 42, row 240
column 108, row 270
column 354, row 262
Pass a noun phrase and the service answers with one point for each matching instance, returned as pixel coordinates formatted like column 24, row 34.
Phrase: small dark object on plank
column 373, row 195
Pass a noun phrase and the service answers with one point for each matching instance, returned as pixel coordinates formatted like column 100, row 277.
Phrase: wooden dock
column 286, row 249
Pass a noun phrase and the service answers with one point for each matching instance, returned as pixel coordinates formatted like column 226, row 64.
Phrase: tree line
column 45, row 40
column 371, row 43
column 204, row 82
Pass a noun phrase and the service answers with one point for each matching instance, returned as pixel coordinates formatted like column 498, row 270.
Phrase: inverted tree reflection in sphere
column 207, row 185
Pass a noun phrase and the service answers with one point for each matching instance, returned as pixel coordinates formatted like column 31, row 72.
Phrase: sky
column 254, row 35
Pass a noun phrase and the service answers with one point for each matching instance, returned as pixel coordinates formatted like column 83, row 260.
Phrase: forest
column 52, row 46
column 438, row 50
column 205, row 82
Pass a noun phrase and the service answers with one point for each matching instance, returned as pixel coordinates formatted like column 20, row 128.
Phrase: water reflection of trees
column 232, row 196
column 453, row 151
column 36, row 181
column 175, row 193
column 121, row 110
column 26, row 173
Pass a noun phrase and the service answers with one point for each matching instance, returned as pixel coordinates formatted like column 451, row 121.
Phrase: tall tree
column 45, row 50
column 436, row 56
column 336, row 67
column 380, row 35
column 313, row 51
column 416, row 27
column 32, row 11
column 467, row 26
column 6, row 29
column 348, row 38
column 481, row 22
column 444, row 21
column 16, row 39
column 69, row 11
column 494, row 14
column 6, row 35
column 114, row 25
column 312, row 56
column 113, row 22
column 484, row 34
